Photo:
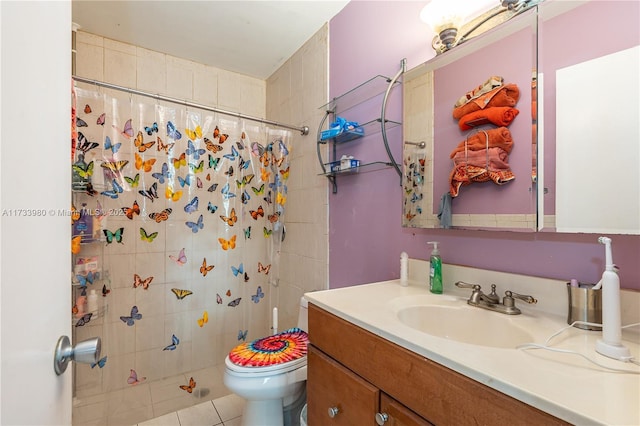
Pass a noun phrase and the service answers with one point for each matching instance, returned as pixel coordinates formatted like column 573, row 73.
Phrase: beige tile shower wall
column 102, row 59
column 294, row 94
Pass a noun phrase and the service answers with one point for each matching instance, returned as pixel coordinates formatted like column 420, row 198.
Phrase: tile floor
column 225, row 411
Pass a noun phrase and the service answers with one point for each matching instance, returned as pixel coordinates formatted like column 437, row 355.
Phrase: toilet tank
column 303, row 318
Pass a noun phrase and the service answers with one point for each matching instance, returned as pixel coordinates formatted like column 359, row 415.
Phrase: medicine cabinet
column 576, row 167
column 368, row 99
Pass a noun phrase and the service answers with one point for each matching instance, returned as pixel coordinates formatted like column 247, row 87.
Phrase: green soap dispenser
column 435, row 270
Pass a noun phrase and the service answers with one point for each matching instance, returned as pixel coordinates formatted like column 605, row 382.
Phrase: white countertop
column 564, row 385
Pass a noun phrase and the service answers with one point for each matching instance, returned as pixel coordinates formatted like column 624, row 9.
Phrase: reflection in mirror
column 475, row 170
column 589, row 131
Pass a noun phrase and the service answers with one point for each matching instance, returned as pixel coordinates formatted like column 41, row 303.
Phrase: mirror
column 585, row 152
column 589, row 132
column 487, row 169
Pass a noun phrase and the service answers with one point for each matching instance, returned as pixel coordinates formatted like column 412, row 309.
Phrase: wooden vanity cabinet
column 362, row 374
column 337, row 396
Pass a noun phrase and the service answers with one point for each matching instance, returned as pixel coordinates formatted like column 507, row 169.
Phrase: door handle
column 87, row 352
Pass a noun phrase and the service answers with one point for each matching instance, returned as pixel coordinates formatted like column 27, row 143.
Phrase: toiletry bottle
column 78, row 182
column 404, row 269
column 435, row 270
column 92, row 303
column 81, row 304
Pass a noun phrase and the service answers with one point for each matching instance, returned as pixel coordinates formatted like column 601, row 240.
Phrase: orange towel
column 498, row 138
column 506, row 95
column 491, row 83
column 500, row 116
column 480, row 166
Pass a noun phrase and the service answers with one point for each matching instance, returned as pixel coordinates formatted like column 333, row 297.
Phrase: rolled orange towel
column 506, row 95
column 479, row 166
column 500, row 116
column 498, row 138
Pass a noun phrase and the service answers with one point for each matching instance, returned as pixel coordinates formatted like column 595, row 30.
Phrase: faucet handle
column 462, row 284
column 511, row 295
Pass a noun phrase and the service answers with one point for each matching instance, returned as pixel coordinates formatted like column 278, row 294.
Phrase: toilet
column 270, row 373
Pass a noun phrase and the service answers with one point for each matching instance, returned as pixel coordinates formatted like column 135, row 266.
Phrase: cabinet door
column 330, row 386
column 397, row 414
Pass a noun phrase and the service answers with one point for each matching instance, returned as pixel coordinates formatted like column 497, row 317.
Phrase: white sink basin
column 463, row 323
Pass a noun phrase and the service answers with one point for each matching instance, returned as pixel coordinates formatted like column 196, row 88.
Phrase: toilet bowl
column 269, row 373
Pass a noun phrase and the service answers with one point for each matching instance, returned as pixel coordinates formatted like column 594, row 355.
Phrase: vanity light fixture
column 446, row 18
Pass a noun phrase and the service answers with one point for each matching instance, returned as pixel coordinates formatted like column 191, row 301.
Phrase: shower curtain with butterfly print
column 189, row 207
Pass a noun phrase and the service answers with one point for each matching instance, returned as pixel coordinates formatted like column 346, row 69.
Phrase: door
column 35, row 234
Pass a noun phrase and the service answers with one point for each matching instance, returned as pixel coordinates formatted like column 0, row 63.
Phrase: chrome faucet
column 491, row 301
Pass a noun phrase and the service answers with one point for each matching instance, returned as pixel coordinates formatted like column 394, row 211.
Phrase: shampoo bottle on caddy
column 435, row 270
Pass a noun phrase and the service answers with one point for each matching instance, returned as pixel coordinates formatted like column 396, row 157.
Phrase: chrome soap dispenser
column 435, row 269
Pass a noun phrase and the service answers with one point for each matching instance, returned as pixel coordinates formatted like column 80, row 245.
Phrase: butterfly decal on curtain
column 231, row 219
column 116, row 190
column 180, row 293
column 151, row 193
column 259, row 295
column 114, row 166
column 83, row 172
column 84, row 319
column 161, row 216
column 194, row 134
column 256, row 213
column 89, row 278
column 262, row 268
column 133, row 181
column 161, row 146
column 84, row 144
column 174, row 344
column 140, row 144
column 114, row 236
column 234, row 302
column 139, row 282
column 129, row 212
column 205, row 319
column 181, row 259
column 196, row 226
column 192, row 205
column 229, row 244
column 142, row 164
column 127, row 131
column 193, row 151
column 238, row 270
column 144, row 236
column 133, row 378
column 204, row 269
column 151, row 129
column 75, row 244
column 180, row 161
column 172, row 132
column 170, row 195
column 190, row 387
column 129, row 320
column 101, row 362
column 242, row 335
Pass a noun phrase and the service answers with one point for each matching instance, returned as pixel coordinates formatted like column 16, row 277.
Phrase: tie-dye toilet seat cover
column 271, row 350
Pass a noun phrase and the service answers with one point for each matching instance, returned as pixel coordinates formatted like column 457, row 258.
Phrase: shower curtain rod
column 304, row 130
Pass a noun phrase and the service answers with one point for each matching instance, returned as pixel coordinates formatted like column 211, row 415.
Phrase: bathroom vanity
column 368, row 363
column 351, row 368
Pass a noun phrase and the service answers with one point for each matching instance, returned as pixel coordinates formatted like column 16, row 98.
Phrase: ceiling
column 249, row 37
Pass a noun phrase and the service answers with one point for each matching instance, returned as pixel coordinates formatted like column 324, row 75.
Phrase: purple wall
column 365, row 232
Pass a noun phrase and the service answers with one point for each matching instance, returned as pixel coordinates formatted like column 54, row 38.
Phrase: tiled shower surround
column 103, row 395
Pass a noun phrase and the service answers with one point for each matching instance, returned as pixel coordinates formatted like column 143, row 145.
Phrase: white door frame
column 35, row 258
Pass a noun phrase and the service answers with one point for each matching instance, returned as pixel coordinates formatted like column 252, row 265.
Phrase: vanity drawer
column 431, row 390
column 330, row 385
